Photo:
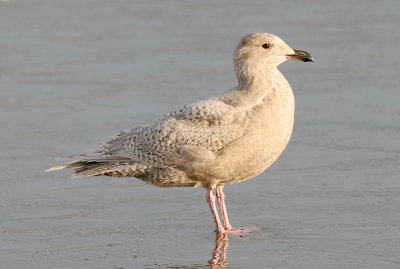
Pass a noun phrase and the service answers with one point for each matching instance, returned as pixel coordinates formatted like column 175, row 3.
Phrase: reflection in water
column 217, row 261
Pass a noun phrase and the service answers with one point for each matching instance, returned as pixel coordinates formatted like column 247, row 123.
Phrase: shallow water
column 73, row 73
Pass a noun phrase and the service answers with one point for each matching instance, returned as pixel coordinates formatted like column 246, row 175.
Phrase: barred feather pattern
column 215, row 142
column 153, row 152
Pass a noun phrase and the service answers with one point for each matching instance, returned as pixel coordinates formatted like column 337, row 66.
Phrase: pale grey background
column 73, row 73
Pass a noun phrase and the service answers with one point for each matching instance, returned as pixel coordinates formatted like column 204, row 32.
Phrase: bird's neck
column 256, row 84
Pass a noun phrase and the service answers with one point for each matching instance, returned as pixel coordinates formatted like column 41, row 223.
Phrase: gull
column 214, row 142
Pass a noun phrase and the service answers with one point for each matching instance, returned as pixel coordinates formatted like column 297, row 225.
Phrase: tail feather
column 103, row 160
column 90, row 168
column 71, row 164
column 94, row 169
column 119, row 169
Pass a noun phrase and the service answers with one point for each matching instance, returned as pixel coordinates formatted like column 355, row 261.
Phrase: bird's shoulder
column 210, row 112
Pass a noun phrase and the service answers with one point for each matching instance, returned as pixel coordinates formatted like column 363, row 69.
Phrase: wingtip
column 55, row 168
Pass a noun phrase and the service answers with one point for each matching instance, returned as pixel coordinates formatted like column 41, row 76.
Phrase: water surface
column 73, row 73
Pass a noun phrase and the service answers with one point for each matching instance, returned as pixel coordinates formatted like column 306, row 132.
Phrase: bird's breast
column 268, row 131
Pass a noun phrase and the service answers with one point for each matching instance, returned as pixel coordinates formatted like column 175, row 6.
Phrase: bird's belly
column 253, row 155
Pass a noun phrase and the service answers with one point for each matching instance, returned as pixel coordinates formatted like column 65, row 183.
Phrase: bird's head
column 261, row 51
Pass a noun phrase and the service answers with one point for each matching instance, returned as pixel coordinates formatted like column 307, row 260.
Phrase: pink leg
column 221, row 201
column 227, row 225
column 211, row 201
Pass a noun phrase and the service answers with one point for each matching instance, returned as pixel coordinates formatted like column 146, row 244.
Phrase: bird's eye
column 265, row 45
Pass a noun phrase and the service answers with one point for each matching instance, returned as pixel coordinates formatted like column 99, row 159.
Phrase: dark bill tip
column 301, row 56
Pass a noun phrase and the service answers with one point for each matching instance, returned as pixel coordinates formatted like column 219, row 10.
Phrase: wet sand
column 66, row 75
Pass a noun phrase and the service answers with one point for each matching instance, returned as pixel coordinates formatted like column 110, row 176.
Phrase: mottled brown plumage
column 211, row 143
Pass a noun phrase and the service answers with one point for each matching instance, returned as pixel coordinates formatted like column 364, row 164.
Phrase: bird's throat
column 256, row 84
